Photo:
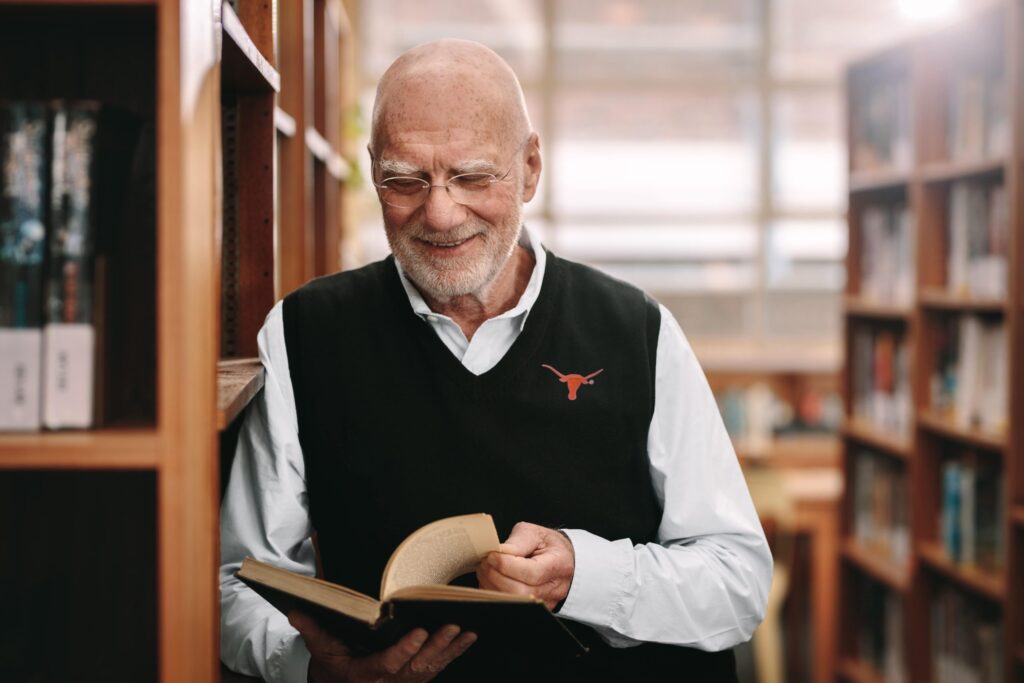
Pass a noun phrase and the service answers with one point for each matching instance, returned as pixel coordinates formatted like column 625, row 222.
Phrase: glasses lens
column 404, row 192
column 470, row 187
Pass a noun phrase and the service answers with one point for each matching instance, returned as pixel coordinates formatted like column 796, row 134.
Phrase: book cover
column 23, row 164
column 68, row 335
column 414, row 594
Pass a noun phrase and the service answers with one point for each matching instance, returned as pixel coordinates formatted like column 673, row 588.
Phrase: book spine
column 68, row 336
column 22, row 238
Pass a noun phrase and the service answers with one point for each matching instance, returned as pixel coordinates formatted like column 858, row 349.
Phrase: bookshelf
column 934, row 314
column 110, row 533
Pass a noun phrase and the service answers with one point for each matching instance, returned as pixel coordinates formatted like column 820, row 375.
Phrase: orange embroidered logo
column 574, row 382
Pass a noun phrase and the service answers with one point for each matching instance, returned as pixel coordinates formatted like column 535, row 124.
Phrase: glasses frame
column 447, row 185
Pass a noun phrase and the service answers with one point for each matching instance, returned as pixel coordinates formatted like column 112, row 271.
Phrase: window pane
column 656, row 40
column 809, row 153
column 512, row 29
column 655, row 153
column 807, row 255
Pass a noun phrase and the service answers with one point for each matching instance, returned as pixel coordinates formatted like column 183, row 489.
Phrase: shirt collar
column 528, row 240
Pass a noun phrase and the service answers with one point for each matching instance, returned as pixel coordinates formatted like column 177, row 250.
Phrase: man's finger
column 316, row 639
column 523, row 541
column 457, row 648
column 533, row 571
column 495, row 580
column 429, row 659
column 390, row 661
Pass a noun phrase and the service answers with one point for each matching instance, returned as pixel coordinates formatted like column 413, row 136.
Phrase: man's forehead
column 452, row 145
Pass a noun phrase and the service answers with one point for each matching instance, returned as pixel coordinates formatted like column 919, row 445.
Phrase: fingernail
column 419, row 638
column 450, row 631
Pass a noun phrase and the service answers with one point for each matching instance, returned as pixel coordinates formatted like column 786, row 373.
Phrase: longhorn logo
column 574, row 382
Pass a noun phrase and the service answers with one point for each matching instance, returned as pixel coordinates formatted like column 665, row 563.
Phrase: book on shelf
column 882, row 124
column 881, row 380
column 978, row 125
column 77, row 283
column 880, row 634
column 881, row 521
column 887, row 254
column 966, row 639
column 68, row 332
column 23, row 169
column 972, row 515
column 970, row 380
column 979, row 235
column 414, row 593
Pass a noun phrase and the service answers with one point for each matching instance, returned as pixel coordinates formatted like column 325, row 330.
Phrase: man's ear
column 532, row 167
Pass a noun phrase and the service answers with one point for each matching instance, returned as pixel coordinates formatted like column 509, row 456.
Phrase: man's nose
column 440, row 211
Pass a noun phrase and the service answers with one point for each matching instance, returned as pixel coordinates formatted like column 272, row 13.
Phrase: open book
column 414, row 593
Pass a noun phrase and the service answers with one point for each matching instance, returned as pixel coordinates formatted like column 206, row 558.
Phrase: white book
column 968, row 371
column 20, row 352
column 68, row 375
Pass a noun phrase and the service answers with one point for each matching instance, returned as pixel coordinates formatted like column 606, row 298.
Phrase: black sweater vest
column 396, row 433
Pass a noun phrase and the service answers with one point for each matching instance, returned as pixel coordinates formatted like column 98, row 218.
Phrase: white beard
column 446, row 278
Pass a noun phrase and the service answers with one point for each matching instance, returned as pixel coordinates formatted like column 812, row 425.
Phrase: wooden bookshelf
column 947, row 171
column 879, row 568
column 856, row 671
column 937, row 424
column 988, row 585
column 1017, row 515
column 237, row 383
column 137, row 500
column 936, row 75
column 863, row 433
column 941, row 299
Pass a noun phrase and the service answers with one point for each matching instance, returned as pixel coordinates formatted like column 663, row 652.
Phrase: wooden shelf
column 798, row 450
column 243, row 67
column 937, row 424
column 895, row 577
column 942, row 300
column 858, row 307
column 131, row 449
column 947, row 171
column 858, row 671
column 989, row 585
column 238, row 381
column 83, row 3
column 1017, row 515
column 284, row 122
column 322, row 150
column 871, row 181
column 864, row 433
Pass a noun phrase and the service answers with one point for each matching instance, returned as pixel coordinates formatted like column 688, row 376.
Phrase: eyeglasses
column 468, row 189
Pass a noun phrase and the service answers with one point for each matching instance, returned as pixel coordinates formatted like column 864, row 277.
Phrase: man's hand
column 534, row 561
column 413, row 659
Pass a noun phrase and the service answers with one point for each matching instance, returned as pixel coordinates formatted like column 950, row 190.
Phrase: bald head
column 449, row 88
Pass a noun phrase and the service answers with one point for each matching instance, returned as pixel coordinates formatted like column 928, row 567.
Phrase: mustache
column 418, row 231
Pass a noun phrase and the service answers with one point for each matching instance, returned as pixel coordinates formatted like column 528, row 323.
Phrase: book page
column 318, row 591
column 439, row 552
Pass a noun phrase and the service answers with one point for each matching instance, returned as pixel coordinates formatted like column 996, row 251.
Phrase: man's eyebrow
column 392, row 167
column 474, row 166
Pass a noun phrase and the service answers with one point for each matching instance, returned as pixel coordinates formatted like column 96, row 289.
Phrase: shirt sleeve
column 705, row 583
column 265, row 514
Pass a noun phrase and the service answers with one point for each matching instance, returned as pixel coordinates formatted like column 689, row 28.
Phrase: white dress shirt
column 704, row 584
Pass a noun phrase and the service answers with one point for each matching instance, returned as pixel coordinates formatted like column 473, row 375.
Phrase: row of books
column 880, row 635
column 77, row 217
column 881, row 380
column 881, row 124
column 978, row 125
column 979, row 236
column 881, row 520
column 970, row 382
column 967, row 642
column 972, row 516
column 887, row 267
column 755, row 413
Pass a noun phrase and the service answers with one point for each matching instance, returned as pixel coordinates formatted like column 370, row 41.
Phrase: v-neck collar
column 539, row 315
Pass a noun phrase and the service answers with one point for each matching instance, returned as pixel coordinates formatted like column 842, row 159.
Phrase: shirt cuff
column 289, row 663
column 600, row 581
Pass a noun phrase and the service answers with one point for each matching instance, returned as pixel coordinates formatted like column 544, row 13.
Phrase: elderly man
column 475, row 371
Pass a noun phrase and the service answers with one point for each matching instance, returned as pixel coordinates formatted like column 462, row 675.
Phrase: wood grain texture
column 238, row 381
